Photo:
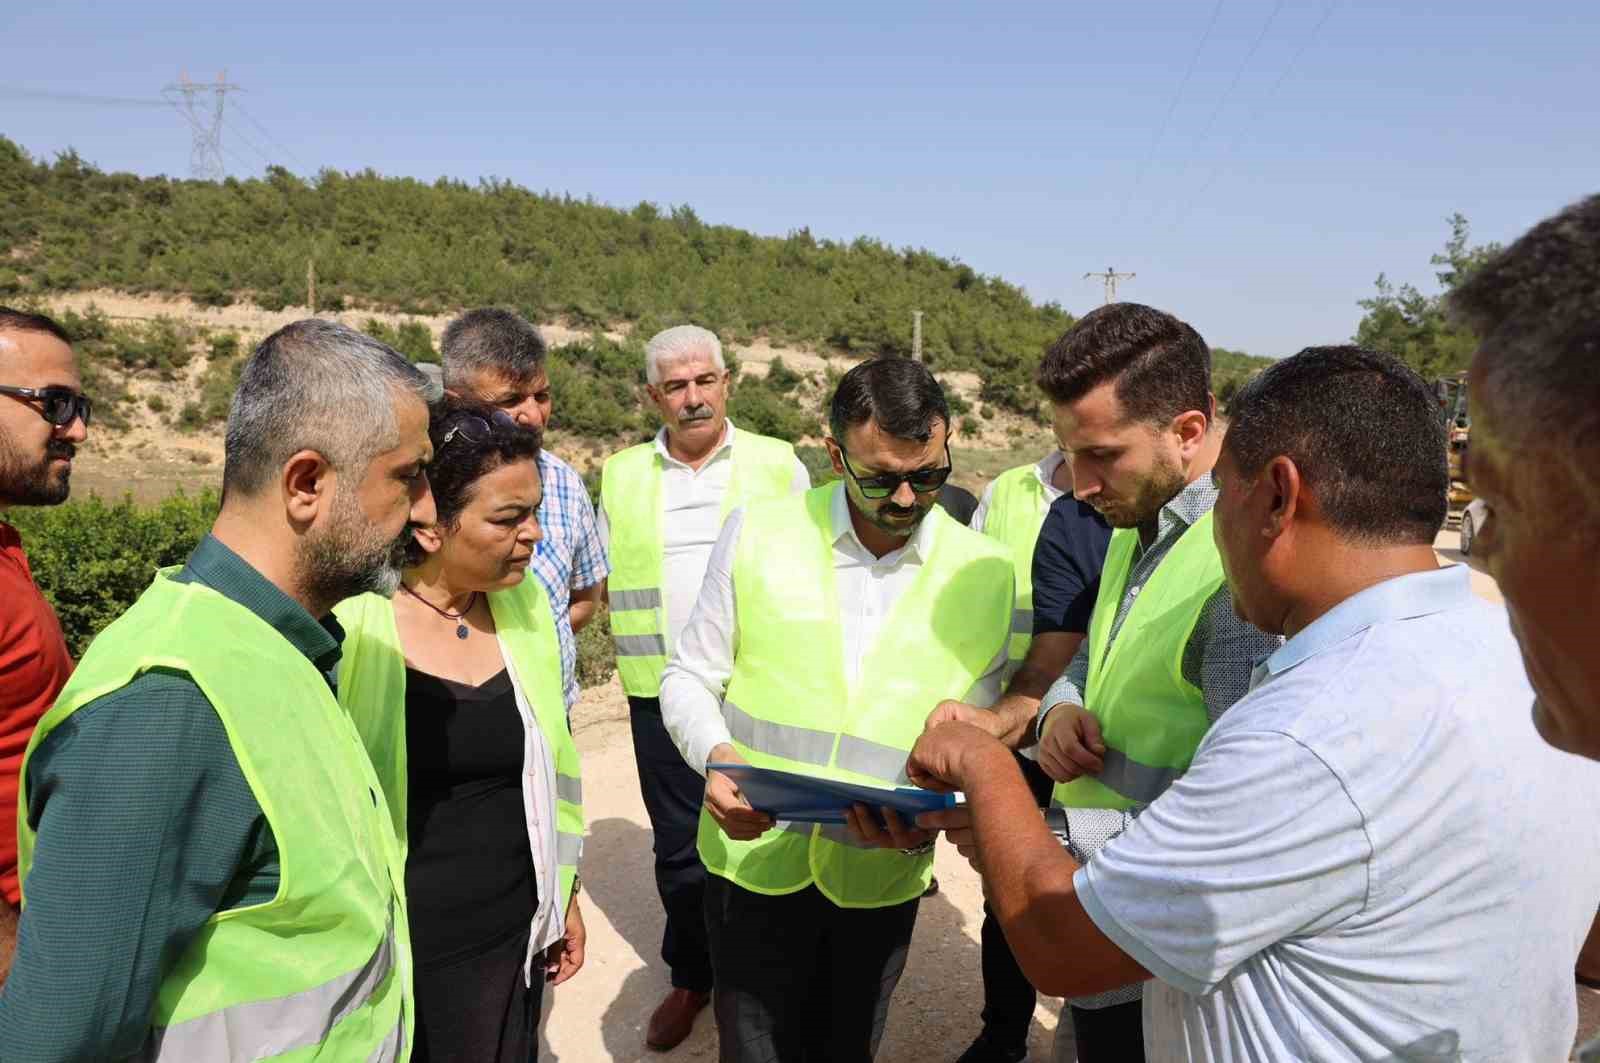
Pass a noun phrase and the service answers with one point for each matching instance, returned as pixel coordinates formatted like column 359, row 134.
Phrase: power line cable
column 78, row 97
column 272, row 140
column 1166, row 119
column 1233, row 84
column 1271, row 93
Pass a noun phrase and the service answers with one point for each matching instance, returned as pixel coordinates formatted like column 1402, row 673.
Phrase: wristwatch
column 921, row 850
column 577, row 885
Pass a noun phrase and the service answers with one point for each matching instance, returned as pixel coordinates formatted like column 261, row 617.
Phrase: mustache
column 696, row 413
column 56, row 449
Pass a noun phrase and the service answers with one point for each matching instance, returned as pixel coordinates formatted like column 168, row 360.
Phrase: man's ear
column 1281, row 479
column 428, row 537
column 1190, row 428
column 835, row 455
column 308, row 483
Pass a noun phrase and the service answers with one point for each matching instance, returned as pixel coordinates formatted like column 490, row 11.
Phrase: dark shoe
column 673, row 1018
column 989, row 1049
column 933, row 886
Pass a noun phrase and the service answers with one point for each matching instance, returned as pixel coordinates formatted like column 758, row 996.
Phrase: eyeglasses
column 59, row 406
column 883, row 485
column 476, row 429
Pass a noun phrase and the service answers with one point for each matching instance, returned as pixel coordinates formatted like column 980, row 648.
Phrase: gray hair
column 490, row 339
column 680, row 341
column 315, row 385
column 1535, row 307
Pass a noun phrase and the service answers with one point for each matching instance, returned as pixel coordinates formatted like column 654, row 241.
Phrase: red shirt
column 34, row 666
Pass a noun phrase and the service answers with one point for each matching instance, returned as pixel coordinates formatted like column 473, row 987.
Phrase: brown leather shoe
column 674, row 1018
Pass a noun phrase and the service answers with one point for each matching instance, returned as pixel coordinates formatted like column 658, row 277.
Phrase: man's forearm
column 583, row 606
column 8, row 938
column 1028, row 882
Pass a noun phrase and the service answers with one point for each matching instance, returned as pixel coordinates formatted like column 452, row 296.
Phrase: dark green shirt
column 146, row 828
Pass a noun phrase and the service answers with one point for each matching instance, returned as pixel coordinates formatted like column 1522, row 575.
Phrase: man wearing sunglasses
column 43, row 417
column 826, row 626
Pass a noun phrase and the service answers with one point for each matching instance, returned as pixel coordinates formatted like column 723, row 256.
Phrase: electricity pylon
column 202, row 104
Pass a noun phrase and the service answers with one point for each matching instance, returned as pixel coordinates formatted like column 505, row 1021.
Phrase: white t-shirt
column 691, row 517
column 1373, row 856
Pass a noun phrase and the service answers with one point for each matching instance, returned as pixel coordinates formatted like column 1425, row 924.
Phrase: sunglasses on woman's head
column 475, row 428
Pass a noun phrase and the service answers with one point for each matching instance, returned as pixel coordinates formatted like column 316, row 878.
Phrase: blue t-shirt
column 1066, row 566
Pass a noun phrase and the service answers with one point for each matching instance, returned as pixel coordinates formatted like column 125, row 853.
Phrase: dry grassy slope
column 152, row 456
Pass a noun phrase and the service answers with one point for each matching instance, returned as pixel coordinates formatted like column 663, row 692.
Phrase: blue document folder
column 806, row 799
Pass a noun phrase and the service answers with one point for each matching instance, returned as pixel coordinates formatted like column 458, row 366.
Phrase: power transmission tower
column 1111, row 277
column 916, row 335
column 202, row 104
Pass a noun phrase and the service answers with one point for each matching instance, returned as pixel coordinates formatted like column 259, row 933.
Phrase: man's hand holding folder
column 728, row 805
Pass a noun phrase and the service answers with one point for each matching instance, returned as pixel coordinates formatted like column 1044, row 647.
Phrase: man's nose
column 74, row 431
column 1085, row 484
column 528, row 414
column 422, row 508
column 904, row 496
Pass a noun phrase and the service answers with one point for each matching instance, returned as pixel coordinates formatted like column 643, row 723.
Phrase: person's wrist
column 976, row 757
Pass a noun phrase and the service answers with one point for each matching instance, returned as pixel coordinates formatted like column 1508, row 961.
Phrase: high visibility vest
column 1017, row 508
column 630, row 490
column 323, row 970
column 788, row 705
column 1151, row 717
column 372, row 687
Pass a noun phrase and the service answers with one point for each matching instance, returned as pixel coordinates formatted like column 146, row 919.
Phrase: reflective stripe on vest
column 372, row 683
column 788, row 705
column 1017, row 508
column 264, row 1028
column 322, row 969
column 630, row 491
column 1151, row 718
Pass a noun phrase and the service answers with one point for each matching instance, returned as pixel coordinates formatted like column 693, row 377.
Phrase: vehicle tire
column 1466, row 534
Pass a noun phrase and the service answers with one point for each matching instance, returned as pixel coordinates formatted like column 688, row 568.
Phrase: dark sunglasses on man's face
column 882, row 485
column 59, row 406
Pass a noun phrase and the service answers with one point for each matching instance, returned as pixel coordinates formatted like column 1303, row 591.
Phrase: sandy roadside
column 601, row 1014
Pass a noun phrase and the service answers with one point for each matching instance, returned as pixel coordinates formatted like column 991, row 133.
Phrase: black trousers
column 799, row 979
column 477, row 1009
column 673, row 793
column 1008, row 996
column 1110, row 1035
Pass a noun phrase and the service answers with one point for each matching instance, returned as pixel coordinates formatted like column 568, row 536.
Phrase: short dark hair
column 898, row 393
column 1161, row 365
column 470, row 441
column 1365, row 433
column 1535, row 308
column 27, row 321
column 492, row 339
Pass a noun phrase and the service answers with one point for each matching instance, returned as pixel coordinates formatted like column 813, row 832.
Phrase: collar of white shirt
column 723, row 447
column 1045, row 471
column 915, row 550
column 1400, row 598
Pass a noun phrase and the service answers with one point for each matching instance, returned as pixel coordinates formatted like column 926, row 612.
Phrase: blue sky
column 1308, row 150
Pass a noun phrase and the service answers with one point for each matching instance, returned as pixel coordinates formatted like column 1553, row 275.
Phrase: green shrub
column 781, row 378
column 92, row 559
column 410, row 338
column 156, row 403
column 597, row 657
column 958, row 402
column 224, row 345
column 756, row 407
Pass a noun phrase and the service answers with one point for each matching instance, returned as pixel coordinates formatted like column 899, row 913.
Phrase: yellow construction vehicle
column 1453, row 411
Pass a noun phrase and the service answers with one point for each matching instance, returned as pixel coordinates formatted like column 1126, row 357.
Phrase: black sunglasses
column 476, row 429
column 922, row 481
column 59, row 406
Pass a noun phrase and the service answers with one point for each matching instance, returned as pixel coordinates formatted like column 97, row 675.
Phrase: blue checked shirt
column 569, row 557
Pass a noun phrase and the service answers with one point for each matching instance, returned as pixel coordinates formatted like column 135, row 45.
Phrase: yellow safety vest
column 372, row 687
column 323, row 970
column 1017, row 508
column 788, row 705
column 630, row 491
column 1151, row 717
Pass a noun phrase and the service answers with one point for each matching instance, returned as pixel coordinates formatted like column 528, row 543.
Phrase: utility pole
column 202, row 104
column 311, row 286
column 1111, row 277
column 916, row 335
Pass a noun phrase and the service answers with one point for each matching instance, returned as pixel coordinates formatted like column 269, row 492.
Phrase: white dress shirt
column 1044, row 472
column 691, row 516
column 698, row 672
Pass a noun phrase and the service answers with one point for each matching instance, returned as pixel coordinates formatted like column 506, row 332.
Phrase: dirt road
column 600, row 1015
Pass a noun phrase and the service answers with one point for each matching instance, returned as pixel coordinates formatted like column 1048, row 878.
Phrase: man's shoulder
column 558, row 471
column 628, row 454
column 139, row 714
column 767, row 446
